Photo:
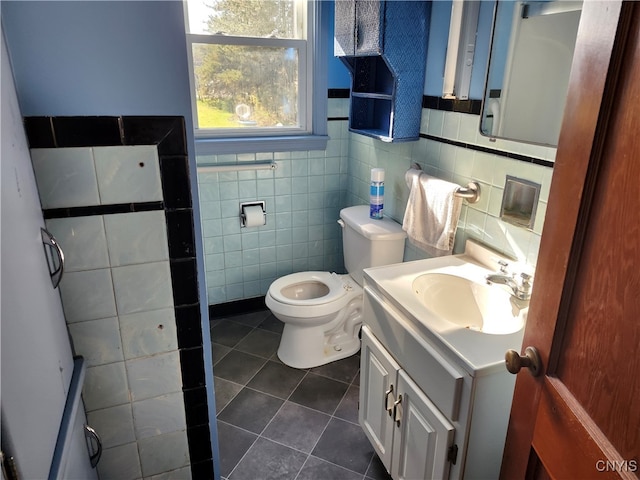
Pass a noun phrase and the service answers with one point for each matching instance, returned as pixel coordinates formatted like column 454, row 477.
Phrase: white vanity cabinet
column 426, row 415
column 412, row 437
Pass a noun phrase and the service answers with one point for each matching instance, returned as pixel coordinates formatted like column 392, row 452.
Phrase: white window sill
column 291, row 143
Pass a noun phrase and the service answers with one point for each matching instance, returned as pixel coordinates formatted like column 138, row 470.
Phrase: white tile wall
column 136, row 237
column 148, row 333
column 88, row 295
column 98, row 341
column 142, row 287
column 128, row 174
column 83, row 241
column 162, row 453
column 65, row 176
column 85, row 176
column 114, row 425
column 105, row 386
column 144, row 380
column 120, row 463
column 159, row 415
column 118, row 302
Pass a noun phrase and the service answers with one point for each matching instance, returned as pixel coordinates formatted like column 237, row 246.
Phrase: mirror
column 528, row 76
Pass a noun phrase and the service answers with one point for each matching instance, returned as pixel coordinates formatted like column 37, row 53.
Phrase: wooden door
column 580, row 418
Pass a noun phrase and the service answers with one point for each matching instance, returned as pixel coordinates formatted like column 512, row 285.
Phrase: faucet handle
column 524, row 289
column 503, row 266
column 526, row 279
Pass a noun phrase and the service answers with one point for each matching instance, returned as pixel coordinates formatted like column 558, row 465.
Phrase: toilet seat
column 283, row 290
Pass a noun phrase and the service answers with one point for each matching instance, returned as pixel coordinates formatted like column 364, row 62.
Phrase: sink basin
column 482, row 308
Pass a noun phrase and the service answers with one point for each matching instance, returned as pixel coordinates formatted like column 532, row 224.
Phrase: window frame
column 312, row 101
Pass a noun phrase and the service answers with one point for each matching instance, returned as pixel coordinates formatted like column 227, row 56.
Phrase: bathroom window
column 251, row 66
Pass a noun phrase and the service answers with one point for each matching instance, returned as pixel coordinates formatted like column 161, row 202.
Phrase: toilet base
column 308, row 347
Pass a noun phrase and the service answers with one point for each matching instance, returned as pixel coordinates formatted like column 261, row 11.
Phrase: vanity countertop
column 476, row 352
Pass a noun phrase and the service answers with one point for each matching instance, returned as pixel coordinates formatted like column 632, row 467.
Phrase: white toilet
column 322, row 311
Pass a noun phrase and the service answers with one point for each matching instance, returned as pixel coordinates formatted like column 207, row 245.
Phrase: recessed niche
column 520, row 202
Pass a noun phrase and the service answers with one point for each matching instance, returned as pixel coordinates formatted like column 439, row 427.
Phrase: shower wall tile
column 120, row 463
column 148, row 333
column 159, row 415
column 114, row 424
column 87, row 295
column 83, row 241
column 98, row 341
column 128, row 174
column 139, row 237
column 163, row 453
column 66, row 177
column 135, row 238
column 105, row 386
column 144, row 287
column 144, row 380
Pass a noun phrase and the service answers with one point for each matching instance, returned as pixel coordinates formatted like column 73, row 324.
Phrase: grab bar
column 470, row 192
column 235, row 167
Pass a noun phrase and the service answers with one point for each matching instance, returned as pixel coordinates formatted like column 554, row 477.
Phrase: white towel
column 431, row 216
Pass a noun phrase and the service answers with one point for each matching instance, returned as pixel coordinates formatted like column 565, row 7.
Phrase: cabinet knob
column 531, row 360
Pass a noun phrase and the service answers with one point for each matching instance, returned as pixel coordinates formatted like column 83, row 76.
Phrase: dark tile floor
column 277, row 422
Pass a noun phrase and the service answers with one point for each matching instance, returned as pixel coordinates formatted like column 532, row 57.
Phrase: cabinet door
column 344, row 28
column 422, row 437
column 378, row 387
column 369, row 27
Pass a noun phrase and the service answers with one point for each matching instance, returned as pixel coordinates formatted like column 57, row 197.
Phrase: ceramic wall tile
column 82, row 240
column 120, row 463
column 148, row 333
column 128, row 174
column 144, row 287
column 159, row 415
column 66, row 177
column 98, row 341
column 105, row 386
column 114, row 425
column 87, row 295
column 163, row 453
column 139, row 237
column 144, row 380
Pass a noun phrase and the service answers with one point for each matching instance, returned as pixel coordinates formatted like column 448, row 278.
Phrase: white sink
column 475, row 306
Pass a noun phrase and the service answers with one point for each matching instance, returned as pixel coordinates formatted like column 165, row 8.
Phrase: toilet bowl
column 322, row 311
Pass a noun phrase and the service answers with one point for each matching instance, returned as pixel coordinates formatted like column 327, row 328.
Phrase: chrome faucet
column 521, row 289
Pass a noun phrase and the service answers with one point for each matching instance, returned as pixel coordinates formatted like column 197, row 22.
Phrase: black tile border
column 237, row 307
column 473, row 107
column 492, row 151
column 452, row 104
column 339, row 92
column 169, row 135
column 50, row 213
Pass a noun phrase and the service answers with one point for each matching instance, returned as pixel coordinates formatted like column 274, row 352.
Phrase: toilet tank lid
column 384, row 229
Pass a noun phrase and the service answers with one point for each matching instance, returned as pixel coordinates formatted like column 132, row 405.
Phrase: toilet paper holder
column 243, row 216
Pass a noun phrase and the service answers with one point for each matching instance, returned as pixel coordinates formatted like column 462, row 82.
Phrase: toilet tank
column 369, row 243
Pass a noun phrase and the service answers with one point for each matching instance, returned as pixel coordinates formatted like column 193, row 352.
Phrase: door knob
column 531, row 360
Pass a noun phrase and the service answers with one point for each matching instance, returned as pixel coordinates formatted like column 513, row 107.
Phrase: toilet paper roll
column 253, row 216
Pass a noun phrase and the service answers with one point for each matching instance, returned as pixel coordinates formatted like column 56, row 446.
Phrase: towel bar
column 471, row 192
